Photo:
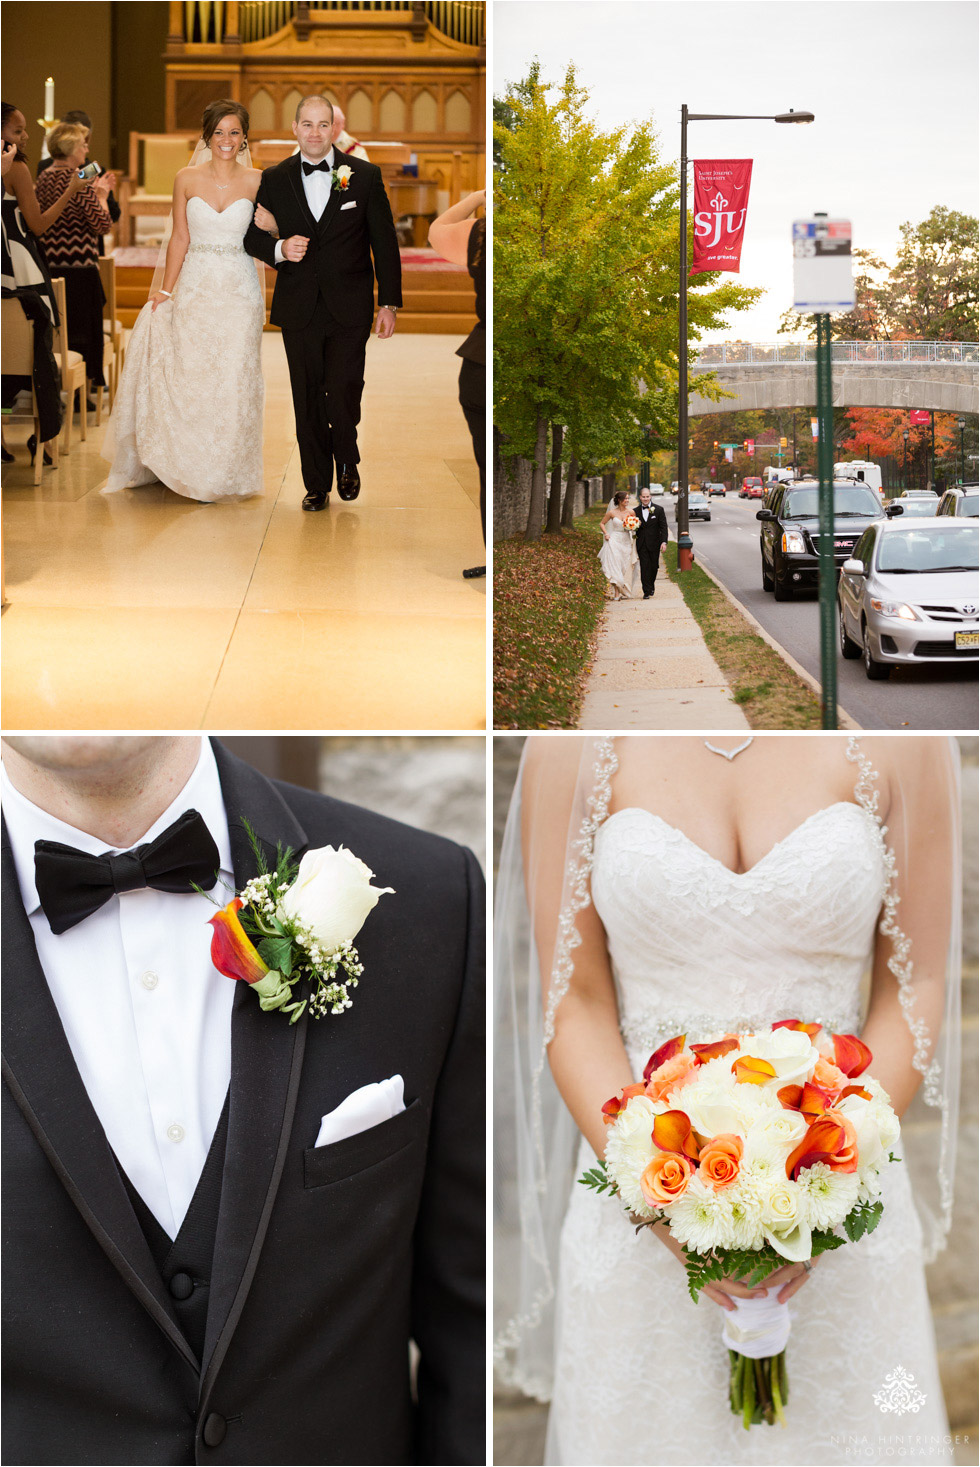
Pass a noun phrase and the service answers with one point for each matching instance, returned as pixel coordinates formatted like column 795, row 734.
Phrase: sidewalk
column 652, row 670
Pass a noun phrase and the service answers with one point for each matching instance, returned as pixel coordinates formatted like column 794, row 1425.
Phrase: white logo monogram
column 899, row 1393
column 703, row 225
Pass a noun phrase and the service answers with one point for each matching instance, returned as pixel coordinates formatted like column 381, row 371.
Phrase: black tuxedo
column 315, row 1265
column 649, row 538
column 324, row 303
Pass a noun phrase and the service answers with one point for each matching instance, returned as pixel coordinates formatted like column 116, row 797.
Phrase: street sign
column 823, row 280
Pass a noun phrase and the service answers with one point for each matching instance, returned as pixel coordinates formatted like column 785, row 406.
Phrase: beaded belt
column 215, row 249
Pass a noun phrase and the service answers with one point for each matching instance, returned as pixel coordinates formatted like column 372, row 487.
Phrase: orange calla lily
column 814, row 1102
column 663, row 1054
column 856, row 1090
column 617, row 1105
column 672, row 1132
column 232, row 951
column 751, row 1071
column 790, row 1096
column 810, row 1029
column 830, row 1139
column 851, row 1055
column 704, row 1052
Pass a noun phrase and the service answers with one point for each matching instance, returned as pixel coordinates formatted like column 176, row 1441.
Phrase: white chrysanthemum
column 868, row 1184
column 629, row 1150
column 745, row 1197
column 830, row 1195
column 701, row 1218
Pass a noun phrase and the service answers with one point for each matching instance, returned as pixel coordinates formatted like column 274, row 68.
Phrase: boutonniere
column 342, row 177
column 289, row 933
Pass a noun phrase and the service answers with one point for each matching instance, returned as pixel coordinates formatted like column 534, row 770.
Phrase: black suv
column 790, row 534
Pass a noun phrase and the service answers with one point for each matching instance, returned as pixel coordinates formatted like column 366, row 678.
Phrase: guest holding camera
column 83, row 120
column 71, row 244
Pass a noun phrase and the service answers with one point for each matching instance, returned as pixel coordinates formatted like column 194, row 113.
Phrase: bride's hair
column 620, row 497
column 213, row 114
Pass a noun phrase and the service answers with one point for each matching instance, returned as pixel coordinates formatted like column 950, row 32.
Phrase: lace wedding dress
column 618, row 558
column 188, row 412
column 641, row 1374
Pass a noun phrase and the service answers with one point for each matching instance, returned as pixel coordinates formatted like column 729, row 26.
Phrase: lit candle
column 49, row 98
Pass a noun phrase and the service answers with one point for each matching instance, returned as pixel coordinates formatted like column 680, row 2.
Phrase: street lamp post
column 684, row 542
column 961, row 425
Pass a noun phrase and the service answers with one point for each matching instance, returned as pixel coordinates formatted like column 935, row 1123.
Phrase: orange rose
column 826, row 1076
column 720, row 1160
column 673, row 1074
column 665, row 1178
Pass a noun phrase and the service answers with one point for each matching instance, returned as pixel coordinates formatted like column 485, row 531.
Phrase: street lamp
column 684, row 544
column 961, row 425
column 905, row 458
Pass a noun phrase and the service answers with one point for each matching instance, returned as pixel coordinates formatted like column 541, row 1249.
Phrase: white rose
column 789, row 1051
column 875, row 1125
column 711, row 1106
column 775, row 1133
column 784, row 1221
column 331, row 896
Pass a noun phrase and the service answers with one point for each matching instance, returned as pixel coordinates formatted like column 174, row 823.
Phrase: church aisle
column 145, row 610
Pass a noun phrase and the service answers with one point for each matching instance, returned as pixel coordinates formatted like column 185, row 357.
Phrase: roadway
column 937, row 697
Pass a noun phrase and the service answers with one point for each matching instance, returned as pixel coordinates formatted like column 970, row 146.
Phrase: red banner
column 721, row 198
column 919, row 415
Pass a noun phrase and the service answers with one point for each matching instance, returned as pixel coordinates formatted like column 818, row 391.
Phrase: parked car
column 717, row 489
column 674, row 486
column 698, row 506
column 789, row 539
column 961, row 502
column 910, row 594
column 656, row 490
column 926, row 507
column 918, row 494
column 752, row 489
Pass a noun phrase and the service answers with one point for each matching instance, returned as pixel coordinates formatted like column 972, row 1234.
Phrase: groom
column 189, row 1276
column 651, row 537
column 333, row 216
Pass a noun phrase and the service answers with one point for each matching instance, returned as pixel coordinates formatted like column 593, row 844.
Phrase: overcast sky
column 892, row 85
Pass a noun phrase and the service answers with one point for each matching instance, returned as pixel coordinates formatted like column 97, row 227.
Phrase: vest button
column 182, row 1286
column 214, row 1430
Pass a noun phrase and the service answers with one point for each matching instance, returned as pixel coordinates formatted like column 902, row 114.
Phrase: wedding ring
column 808, row 1266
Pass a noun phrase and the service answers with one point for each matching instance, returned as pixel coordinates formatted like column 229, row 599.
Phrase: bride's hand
column 265, row 220
column 788, row 1279
column 158, row 298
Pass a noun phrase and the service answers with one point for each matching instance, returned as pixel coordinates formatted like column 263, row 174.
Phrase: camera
column 91, row 170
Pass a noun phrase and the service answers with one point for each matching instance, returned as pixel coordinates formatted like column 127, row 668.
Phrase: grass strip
column 769, row 692
column 547, row 596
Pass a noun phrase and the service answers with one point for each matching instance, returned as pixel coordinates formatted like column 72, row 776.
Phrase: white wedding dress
column 618, row 558
column 188, row 412
column 641, row 1374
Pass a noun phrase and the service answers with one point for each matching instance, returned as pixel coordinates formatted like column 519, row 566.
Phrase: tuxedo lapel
column 266, row 1061
column 42, row 1076
column 331, row 211
column 292, row 167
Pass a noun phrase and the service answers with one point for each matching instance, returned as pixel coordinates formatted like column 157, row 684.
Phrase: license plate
column 968, row 639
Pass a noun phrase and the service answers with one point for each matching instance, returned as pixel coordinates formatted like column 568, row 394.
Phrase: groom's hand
column 385, row 324
column 295, row 247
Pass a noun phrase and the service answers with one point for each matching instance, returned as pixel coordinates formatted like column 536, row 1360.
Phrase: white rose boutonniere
column 290, row 933
column 342, row 177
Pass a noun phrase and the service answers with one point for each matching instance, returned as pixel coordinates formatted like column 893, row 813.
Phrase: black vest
column 185, row 1261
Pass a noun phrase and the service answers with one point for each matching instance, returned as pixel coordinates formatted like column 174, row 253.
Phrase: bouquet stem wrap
column 758, row 1328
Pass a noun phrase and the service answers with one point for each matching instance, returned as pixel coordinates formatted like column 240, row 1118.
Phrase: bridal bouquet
column 631, row 523
column 290, row 932
column 753, row 1149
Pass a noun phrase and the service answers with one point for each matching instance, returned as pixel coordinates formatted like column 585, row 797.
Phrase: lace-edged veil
column 200, row 156
column 545, row 868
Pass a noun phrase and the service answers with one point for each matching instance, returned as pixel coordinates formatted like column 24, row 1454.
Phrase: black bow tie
column 323, row 167
column 71, row 884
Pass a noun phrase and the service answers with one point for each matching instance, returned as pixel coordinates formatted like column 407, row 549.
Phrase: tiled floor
column 144, row 610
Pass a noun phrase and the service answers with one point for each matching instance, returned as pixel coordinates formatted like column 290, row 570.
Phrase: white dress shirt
column 317, row 188
column 147, row 1016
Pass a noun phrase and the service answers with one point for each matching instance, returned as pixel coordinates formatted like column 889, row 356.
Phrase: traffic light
column 716, row 442
column 782, row 442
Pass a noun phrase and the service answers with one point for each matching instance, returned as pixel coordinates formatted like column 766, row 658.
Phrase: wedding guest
column 71, row 248
column 458, row 237
column 342, row 138
column 111, row 203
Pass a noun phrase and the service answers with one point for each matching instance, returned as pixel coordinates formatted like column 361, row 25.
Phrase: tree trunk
column 568, row 509
column 554, row 497
column 535, row 510
column 608, row 487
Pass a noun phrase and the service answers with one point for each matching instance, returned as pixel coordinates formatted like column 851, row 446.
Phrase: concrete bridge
column 943, row 375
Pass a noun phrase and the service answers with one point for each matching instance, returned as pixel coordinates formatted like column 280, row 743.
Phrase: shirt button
column 175, row 1132
column 149, row 979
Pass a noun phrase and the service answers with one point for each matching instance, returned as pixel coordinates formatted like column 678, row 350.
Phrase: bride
column 199, row 334
column 652, row 888
column 618, row 556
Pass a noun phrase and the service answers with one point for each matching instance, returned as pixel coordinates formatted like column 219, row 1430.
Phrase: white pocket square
column 363, row 1109
column 351, row 205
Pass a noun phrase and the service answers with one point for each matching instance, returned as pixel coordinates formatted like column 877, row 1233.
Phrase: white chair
column 111, row 325
column 71, row 365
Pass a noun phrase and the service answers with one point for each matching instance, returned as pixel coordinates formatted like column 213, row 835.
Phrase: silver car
column 910, row 593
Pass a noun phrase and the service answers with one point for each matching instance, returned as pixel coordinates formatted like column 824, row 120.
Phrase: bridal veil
column 545, row 872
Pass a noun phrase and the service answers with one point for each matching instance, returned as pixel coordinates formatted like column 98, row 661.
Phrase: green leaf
column 862, row 1219
column 599, row 1179
column 277, row 952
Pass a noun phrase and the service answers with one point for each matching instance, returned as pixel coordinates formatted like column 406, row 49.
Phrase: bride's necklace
column 216, row 183
column 729, row 754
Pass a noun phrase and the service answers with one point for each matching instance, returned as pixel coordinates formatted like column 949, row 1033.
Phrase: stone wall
column 512, row 495
column 519, row 1423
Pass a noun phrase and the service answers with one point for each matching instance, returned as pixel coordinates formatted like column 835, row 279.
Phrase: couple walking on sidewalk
column 632, row 538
